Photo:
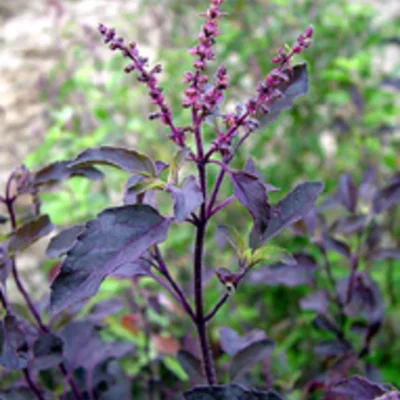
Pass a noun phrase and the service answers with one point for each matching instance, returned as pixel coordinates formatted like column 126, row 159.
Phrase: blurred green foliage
column 345, row 123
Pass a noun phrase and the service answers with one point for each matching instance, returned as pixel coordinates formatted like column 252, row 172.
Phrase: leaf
column 271, row 254
column 251, row 168
column 229, row 392
column 18, row 393
column 349, row 224
column 247, row 357
column 386, row 197
column 176, row 164
column 331, row 348
column 330, row 243
column 386, row 253
column 347, row 192
column 63, row 241
column 14, row 347
column 234, row 238
column 127, row 160
column 83, row 346
column 117, row 237
column 293, row 207
column 250, row 191
column 165, row 344
column 145, row 185
column 366, row 298
column 191, row 365
column 5, row 264
column 232, row 343
column 296, row 86
column 60, row 171
column 29, row 233
column 289, row 275
column 358, row 388
column 47, row 351
column 186, row 198
column 317, row 301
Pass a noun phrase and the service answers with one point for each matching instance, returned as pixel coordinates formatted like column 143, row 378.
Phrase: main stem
column 198, row 293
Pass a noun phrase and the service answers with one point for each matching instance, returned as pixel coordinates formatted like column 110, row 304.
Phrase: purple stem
column 32, row 384
column 217, row 306
column 221, row 205
column 10, row 207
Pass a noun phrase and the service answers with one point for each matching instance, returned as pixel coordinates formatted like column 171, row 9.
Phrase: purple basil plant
column 125, row 241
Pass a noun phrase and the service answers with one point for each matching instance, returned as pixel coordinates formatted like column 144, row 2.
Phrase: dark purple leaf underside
column 249, row 356
column 29, row 233
column 231, row 342
column 229, row 392
column 251, row 192
column 60, row 171
column 63, row 241
column 251, row 168
column 293, row 207
column 127, row 160
column 386, row 197
column 47, row 351
column 358, row 388
column 14, row 347
column 186, row 198
column 296, row 86
column 116, row 238
column 192, row 366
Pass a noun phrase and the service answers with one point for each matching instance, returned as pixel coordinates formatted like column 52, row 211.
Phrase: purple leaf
column 60, row 171
column 296, row 86
column 102, row 309
column 249, row 356
column 251, row 168
column 191, row 365
column 285, row 274
column 13, row 344
column 293, row 207
column 29, row 233
column 317, row 301
column 347, row 192
column 386, row 253
column 386, row 197
column 330, row 243
column 83, row 346
column 366, row 299
column 63, row 241
column 127, row 160
column 250, row 191
column 231, row 342
column 186, row 198
column 117, row 237
column 18, row 393
column 331, row 348
column 47, row 351
column 229, row 392
column 358, row 388
column 5, row 264
column 139, row 267
column 349, row 224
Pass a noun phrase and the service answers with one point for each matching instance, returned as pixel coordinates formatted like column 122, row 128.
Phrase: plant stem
column 45, row 329
column 198, row 293
column 32, row 384
column 217, row 306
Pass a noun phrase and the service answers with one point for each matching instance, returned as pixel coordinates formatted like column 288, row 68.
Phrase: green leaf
column 235, row 239
column 176, row 164
column 270, row 254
